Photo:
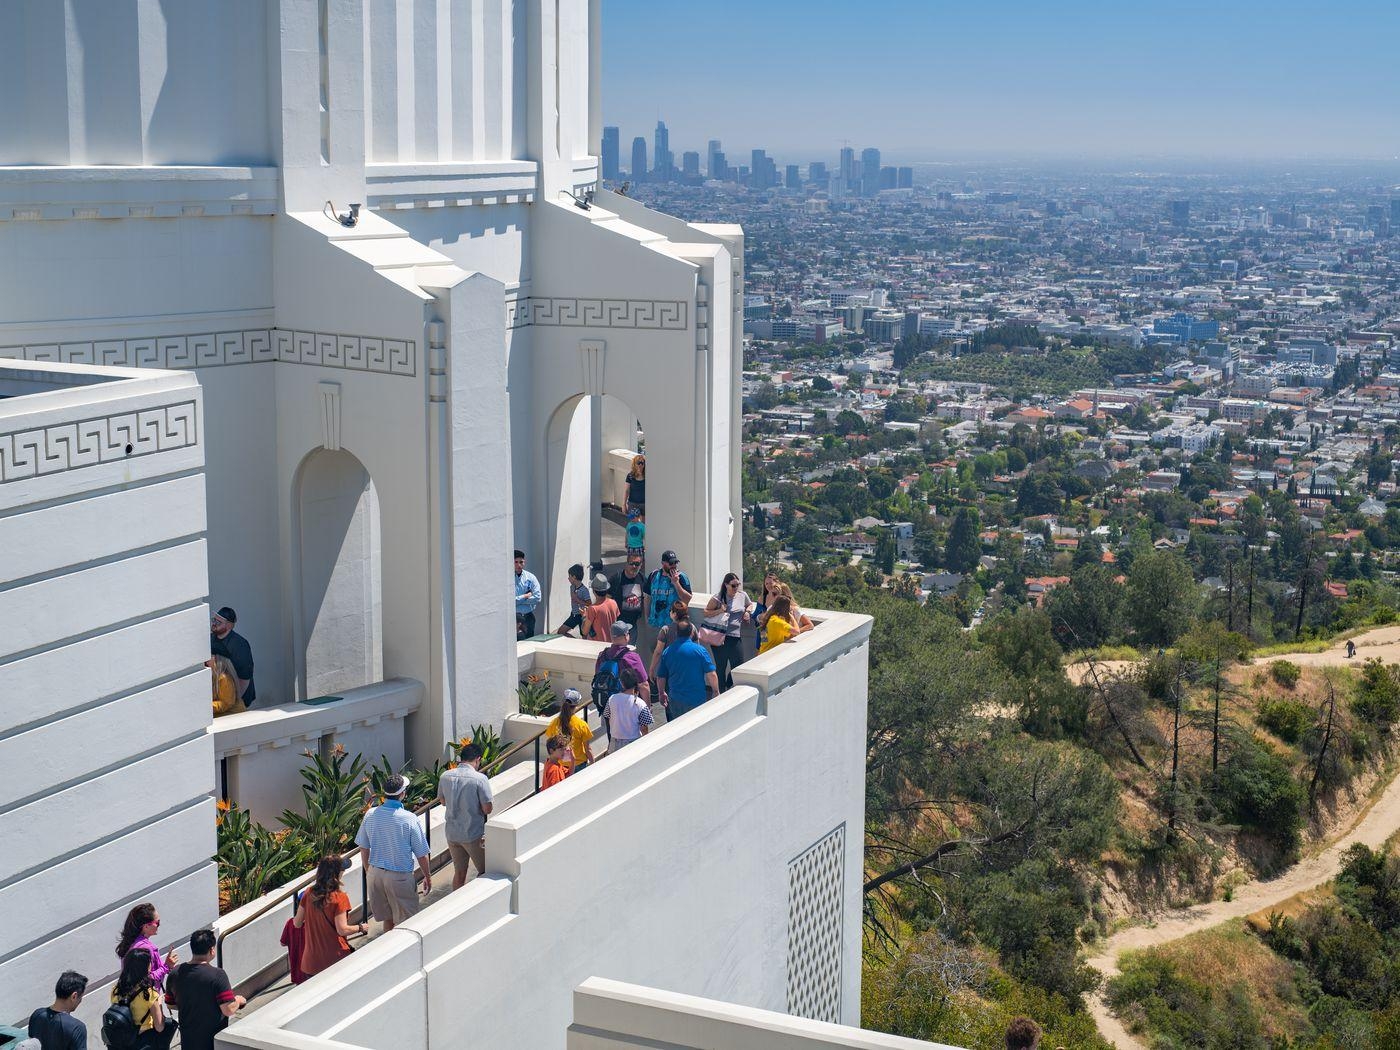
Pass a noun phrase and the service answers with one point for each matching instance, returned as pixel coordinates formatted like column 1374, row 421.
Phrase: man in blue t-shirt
column 664, row 586
column 55, row 1026
column 686, row 675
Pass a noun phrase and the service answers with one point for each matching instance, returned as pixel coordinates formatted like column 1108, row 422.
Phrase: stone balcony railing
column 691, row 860
column 258, row 751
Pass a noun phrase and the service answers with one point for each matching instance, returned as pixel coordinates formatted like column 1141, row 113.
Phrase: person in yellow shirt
column 781, row 625
column 225, row 682
column 568, row 724
column 138, row 993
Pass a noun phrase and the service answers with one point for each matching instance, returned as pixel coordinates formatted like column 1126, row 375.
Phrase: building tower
column 712, row 151
column 663, row 163
column 639, row 159
column 611, row 150
column 869, row 172
column 847, row 170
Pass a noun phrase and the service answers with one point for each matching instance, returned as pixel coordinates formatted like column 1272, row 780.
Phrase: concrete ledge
column 835, row 633
column 282, row 723
column 611, row 1015
column 121, row 192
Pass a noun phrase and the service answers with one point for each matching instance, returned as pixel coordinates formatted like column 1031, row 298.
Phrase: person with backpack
column 663, row 587
column 608, row 670
column 54, row 1026
column 628, row 714
column 136, row 1019
column 202, row 993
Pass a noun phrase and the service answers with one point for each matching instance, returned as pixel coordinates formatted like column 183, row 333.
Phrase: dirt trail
column 1382, row 642
column 1377, row 825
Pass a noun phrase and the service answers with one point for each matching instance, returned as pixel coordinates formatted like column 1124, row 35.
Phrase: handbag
column 708, row 634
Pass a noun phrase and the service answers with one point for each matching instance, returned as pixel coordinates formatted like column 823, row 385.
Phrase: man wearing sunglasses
column 626, row 590
column 225, row 641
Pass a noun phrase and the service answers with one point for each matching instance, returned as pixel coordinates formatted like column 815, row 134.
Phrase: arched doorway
column 340, row 622
column 589, row 446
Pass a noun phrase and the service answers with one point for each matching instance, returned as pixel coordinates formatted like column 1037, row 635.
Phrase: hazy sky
column 925, row 79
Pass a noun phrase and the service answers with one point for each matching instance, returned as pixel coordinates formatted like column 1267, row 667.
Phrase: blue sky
column 928, row 79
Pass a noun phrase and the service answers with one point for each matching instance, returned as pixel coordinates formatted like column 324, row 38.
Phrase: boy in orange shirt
column 555, row 768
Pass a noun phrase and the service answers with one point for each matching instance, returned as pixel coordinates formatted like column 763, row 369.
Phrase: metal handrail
column 305, row 880
column 301, row 883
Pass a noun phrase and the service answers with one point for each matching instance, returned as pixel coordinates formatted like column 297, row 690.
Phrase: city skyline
column 1251, row 82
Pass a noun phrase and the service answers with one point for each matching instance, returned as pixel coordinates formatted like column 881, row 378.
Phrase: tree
column 1161, row 597
column 1209, row 650
column 964, row 541
column 1038, row 494
column 1089, row 551
column 884, row 552
column 1024, row 643
column 1086, row 612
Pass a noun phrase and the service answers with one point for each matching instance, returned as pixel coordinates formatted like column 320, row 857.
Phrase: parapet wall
column 105, row 766
column 720, row 857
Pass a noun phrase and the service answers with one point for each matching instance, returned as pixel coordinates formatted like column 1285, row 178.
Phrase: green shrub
column 1377, row 698
column 1286, row 673
column 1286, row 719
column 1255, row 788
column 535, row 694
column 333, row 799
column 253, row 860
column 1153, row 995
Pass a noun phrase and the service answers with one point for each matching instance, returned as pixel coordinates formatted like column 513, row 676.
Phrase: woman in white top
column 629, row 716
column 725, row 616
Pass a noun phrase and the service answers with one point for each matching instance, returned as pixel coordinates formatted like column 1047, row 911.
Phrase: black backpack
column 119, row 1030
column 607, row 680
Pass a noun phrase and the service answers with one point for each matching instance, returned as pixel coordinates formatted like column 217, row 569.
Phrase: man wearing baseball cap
column 225, row 641
column 664, row 586
column 391, row 841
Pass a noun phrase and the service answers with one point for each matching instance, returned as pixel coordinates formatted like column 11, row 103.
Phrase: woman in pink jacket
column 139, row 931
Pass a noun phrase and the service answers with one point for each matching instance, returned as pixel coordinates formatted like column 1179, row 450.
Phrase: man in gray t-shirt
column 466, row 793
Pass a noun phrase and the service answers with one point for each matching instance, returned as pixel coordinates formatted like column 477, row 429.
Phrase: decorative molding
column 59, row 447
column 593, row 353
column 354, row 353
column 669, row 315
column 816, row 909
column 329, row 395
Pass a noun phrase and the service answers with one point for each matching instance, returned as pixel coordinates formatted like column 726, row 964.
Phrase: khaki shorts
column 392, row 894
column 465, row 851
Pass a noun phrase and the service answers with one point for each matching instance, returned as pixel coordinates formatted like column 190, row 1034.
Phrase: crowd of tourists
column 661, row 661
column 155, row 995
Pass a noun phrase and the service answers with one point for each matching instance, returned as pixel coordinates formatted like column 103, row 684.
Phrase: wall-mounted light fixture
column 350, row 219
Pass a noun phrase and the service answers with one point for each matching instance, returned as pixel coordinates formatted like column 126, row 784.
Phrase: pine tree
column 964, row 544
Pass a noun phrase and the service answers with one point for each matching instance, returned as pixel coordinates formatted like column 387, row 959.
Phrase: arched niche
column 341, row 628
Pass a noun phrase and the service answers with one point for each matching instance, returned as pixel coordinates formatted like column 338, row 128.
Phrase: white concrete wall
column 444, row 80
column 684, row 839
column 611, row 1015
column 142, row 82
column 105, row 767
column 261, row 752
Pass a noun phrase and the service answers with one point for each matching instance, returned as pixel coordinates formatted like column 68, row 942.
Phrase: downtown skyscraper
column 611, row 158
